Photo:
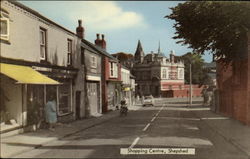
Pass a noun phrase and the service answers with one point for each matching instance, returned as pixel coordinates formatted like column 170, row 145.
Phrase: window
column 164, row 73
column 64, row 94
column 93, row 62
column 181, row 74
column 69, row 59
column 4, row 20
column 43, row 44
column 113, row 69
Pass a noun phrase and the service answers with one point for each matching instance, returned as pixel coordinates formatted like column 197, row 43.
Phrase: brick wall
column 234, row 88
column 184, row 92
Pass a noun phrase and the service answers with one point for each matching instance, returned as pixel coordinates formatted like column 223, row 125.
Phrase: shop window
column 5, row 25
column 64, row 93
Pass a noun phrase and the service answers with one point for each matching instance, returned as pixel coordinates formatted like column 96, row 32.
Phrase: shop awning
column 25, row 74
column 126, row 89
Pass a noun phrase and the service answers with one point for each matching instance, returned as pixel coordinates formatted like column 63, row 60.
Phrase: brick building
column 111, row 75
column 234, row 86
column 158, row 75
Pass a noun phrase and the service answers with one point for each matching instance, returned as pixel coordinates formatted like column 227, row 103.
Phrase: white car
column 149, row 100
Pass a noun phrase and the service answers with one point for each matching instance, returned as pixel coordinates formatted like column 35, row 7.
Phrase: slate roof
column 38, row 15
column 100, row 50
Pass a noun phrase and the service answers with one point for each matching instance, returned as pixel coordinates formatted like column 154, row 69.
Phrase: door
column 93, row 97
column 78, row 101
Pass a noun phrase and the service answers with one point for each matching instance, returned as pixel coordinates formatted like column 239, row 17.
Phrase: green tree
column 199, row 75
column 216, row 26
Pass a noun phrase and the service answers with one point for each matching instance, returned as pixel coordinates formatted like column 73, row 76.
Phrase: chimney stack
column 100, row 42
column 103, row 42
column 80, row 30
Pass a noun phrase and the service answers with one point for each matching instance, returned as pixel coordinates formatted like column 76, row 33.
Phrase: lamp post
column 190, row 84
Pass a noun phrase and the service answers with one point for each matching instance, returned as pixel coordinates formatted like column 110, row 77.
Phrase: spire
column 139, row 54
column 159, row 48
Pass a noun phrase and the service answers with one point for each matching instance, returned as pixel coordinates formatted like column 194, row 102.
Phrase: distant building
column 211, row 71
column 158, row 75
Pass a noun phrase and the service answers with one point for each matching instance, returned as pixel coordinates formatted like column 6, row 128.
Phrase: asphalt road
column 162, row 126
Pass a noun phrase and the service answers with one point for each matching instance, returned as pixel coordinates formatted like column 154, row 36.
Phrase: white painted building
column 128, row 85
column 31, row 44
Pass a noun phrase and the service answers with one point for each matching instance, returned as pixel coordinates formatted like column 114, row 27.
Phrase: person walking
column 50, row 112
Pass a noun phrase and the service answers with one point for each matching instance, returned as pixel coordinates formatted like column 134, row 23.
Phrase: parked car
column 149, row 100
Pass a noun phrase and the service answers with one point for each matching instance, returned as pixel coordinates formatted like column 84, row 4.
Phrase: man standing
column 50, row 111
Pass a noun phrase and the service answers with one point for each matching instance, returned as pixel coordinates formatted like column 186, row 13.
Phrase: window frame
column 69, row 51
column 5, row 36
column 93, row 61
column 164, row 73
column 44, row 31
column 113, row 69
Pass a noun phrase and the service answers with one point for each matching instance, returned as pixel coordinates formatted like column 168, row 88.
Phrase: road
column 166, row 125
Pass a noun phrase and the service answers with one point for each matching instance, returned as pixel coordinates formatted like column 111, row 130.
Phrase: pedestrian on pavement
column 142, row 99
column 50, row 112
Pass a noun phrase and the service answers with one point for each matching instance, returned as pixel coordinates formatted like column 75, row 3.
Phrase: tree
column 219, row 27
column 199, row 75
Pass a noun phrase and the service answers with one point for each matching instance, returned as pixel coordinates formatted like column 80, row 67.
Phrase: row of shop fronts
column 24, row 95
column 82, row 77
column 25, row 91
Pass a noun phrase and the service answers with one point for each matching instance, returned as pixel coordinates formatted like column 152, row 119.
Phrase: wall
column 234, row 90
column 176, row 92
column 90, row 70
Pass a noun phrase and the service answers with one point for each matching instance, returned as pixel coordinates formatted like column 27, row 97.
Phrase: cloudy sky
column 122, row 22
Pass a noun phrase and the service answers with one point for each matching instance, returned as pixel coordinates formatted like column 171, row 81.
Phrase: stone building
column 158, row 75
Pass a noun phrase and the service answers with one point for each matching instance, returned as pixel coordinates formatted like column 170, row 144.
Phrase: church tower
column 139, row 54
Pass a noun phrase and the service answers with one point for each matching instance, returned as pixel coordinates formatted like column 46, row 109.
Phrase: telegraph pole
column 190, row 84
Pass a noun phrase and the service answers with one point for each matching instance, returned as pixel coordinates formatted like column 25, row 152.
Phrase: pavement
column 229, row 129
column 20, row 143
column 232, row 130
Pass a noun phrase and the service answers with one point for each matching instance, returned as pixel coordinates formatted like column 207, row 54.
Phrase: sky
column 122, row 22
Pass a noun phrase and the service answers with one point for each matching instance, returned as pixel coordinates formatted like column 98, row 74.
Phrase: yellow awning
column 126, row 89
column 25, row 74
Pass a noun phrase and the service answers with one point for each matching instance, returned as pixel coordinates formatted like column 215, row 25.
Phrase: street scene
column 125, row 79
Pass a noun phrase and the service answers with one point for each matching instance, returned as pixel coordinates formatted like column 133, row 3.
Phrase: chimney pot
column 102, row 36
column 80, row 22
column 80, row 30
column 98, row 36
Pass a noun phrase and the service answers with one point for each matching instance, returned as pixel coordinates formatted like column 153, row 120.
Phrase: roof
column 125, row 67
column 88, row 48
column 97, row 48
column 38, row 15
